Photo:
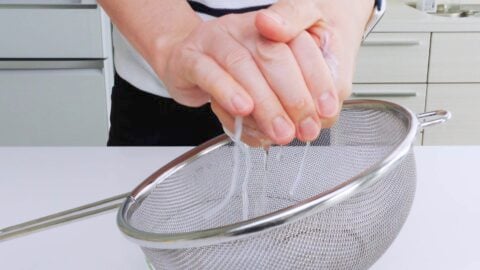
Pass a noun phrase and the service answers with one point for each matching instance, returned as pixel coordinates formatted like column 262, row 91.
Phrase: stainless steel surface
column 61, row 218
column 233, row 231
column 433, row 118
column 354, row 196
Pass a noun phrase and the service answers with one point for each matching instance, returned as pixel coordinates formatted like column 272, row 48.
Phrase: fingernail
column 274, row 16
column 281, row 128
column 309, row 129
column 327, row 104
column 240, row 103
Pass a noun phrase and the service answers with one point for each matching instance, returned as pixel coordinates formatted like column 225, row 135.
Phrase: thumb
column 285, row 19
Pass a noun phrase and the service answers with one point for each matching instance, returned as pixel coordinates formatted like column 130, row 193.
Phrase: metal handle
column 63, row 217
column 386, row 43
column 384, row 94
column 433, row 118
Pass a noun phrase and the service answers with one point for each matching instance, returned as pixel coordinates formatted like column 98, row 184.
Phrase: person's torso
column 131, row 66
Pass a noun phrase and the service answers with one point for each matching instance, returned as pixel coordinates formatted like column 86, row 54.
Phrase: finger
column 250, row 136
column 249, row 126
column 191, row 96
column 268, row 112
column 323, row 36
column 334, row 52
column 317, row 74
column 284, row 76
column 285, row 19
column 214, row 80
column 329, row 122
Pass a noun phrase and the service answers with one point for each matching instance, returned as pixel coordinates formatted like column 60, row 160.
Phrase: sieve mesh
column 349, row 235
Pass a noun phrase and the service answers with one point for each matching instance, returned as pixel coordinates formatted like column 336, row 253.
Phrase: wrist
column 352, row 16
column 358, row 17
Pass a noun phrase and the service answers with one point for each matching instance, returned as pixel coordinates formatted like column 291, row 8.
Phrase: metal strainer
column 353, row 196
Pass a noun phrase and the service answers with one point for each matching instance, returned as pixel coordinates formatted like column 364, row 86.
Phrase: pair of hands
column 285, row 69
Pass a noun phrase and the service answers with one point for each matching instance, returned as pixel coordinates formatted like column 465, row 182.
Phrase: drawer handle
column 384, row 94
column 386, row 43
column 6, row 64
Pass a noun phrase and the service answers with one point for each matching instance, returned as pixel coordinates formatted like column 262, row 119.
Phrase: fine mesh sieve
column 352, row 197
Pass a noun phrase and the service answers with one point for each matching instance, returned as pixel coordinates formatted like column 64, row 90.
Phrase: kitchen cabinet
column 445, row 67
column 53, row 107
column 455, row 58
column 393, row 58
column 64, row 31
column 411, row 96
column 462, row 101
column 394, row 67
column 56, row 72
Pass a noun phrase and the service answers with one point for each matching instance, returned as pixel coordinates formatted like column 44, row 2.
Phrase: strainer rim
column 270, row 220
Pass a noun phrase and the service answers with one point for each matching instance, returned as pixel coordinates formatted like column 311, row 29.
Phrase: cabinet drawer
column 64, row 31
column 462, row 101
column 455, row 57
column 393, row 58
column 52, row 107
column 411, row 96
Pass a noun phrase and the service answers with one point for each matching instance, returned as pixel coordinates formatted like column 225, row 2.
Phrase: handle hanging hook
column 433, row 118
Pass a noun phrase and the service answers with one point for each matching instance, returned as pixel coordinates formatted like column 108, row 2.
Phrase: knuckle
column 213, row 81
column 194, row 66
column 236, row 58
column 303, row 36
column 183, row 65
column 268, row 50
column 264, row 103
column 296, row 104
column 183, row 54
column 313, row 78
column 198, row 74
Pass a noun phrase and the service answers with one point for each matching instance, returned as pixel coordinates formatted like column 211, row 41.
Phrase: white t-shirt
column 131, row 66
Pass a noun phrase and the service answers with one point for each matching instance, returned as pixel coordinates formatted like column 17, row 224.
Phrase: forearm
column 152, row 26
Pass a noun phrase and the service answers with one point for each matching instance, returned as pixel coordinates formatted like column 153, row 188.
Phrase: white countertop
column 440, row 233
column 402, row 18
